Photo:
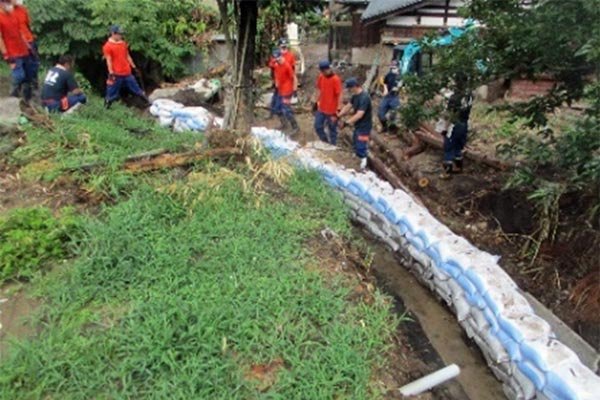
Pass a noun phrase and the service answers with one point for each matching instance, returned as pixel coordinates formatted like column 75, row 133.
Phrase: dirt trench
column 433, row 334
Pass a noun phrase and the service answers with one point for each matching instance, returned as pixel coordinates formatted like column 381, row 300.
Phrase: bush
column 31, row 237
column 163, row 32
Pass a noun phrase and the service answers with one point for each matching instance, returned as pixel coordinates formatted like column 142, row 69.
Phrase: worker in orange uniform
column 329, row 86
column 288, row 56
column 120, row 67
column 22, row 16
column 15, row 51
column 286, row 83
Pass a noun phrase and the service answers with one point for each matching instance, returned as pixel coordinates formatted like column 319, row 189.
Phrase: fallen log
column 177, row 160
column 158, row 159
column 428, row 135
column 380, row 167
column 400, row 162
column 383, row 170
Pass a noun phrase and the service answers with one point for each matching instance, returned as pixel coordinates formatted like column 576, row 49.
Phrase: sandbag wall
column 519, row 346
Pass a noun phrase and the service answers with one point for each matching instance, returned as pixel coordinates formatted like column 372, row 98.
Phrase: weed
column 30, row 238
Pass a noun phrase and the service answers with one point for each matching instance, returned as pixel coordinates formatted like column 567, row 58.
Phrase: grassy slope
column 185, row 289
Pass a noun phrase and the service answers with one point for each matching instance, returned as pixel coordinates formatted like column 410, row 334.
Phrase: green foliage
column 30, row 238
column 179, row 295
column 94, row 136
column 273, row 17
column 164, row 32
column 556, row 38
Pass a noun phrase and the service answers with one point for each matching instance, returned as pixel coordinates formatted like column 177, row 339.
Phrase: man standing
column 456, row 128
column 361, row 120
column 286, row 83
column 61, row 92
column 274, row 102
column 390, row 99
column 22, row 16
column 288, row 56
column 14, row 51
column 329, row 87
column 120, row 66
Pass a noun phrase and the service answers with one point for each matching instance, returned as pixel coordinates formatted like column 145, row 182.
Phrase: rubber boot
column 447, row 171
column 284, row 123
column 458, row 165
column 294, row 124
column 363, row 163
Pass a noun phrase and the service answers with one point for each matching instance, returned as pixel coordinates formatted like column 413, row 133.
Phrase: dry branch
column 163, row 161
column 161, row 158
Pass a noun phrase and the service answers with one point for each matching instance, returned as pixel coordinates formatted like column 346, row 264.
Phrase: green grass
column 94, row 135
column 30, row 239
column 178, row 293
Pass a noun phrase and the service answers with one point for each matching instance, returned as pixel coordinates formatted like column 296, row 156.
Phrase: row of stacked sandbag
column 519, row 346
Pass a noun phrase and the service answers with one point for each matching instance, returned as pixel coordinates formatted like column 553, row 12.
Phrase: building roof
column 378, row 9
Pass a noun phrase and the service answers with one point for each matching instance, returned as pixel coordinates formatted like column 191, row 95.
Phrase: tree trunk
column 239, row 99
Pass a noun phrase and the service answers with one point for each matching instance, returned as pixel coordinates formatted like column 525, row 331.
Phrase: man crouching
column 61, row 92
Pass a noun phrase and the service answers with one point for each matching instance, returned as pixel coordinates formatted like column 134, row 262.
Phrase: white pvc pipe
column 431, row 380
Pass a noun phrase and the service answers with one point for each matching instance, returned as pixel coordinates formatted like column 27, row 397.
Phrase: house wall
column 415, row 23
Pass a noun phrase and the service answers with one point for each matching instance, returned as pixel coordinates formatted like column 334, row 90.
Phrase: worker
column 286, row 83
column 329, row 87
column 287, row 54
column 61, row 92
column 15, row 51
column 361, row 119
column 456, row 128
column 273, row 106
column 22, row 15
column 120, row 67
column 390, row 99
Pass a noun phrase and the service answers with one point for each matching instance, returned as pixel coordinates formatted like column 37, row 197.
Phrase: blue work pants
column 329, row 122
column 116, row 84
column 454, row 145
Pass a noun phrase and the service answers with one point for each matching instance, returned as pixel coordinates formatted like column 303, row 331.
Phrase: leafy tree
column 560, row 39
column 164, row 32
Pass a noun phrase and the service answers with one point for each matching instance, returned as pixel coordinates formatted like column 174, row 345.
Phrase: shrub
column 30, row 238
